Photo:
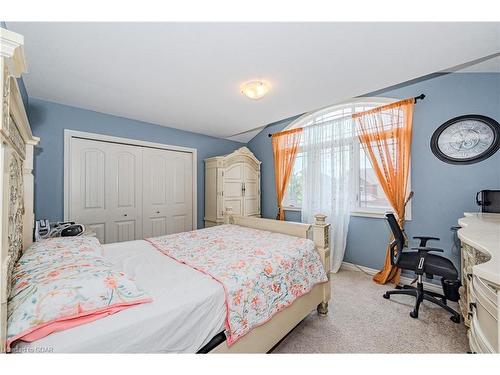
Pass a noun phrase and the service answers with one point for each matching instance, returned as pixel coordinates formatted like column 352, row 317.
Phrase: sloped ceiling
column 490, row 65
column 187, row 75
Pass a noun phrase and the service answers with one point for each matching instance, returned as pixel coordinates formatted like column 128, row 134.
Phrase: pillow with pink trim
column 62, row 283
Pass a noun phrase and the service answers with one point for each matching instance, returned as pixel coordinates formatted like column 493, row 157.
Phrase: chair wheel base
column 455, row 318
column 414, row 314
column 386, row 296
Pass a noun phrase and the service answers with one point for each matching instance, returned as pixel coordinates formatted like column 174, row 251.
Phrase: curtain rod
column 420, row 97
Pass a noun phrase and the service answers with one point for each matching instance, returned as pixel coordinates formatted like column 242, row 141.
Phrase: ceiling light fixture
column 255, row 89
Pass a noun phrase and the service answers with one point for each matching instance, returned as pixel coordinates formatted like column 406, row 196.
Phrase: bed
column 157, row 327
column 195, row 321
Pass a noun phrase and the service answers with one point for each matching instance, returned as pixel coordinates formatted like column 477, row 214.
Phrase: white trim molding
column 11, row 48
column 346, row 103
column 69, row 134
column 404, row 280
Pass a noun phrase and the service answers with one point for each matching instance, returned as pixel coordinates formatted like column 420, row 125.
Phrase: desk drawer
column 477, row 341
column 484, row 318
column 484, row 296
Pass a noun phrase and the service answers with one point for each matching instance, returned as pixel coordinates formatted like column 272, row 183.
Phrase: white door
column 168, row 192
column 233, row 188
column 87, row 188
column 105, row 189
column 251, row 191
column 124, row 193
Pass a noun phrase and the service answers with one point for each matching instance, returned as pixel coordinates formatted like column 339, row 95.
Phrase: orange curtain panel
column 285, row 148
column 385, row 134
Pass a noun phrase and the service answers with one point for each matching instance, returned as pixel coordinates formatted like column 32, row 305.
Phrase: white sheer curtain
column 327, row 179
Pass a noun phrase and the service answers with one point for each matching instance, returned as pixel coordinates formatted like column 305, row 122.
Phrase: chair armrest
column 424, row 239
column 422, row 248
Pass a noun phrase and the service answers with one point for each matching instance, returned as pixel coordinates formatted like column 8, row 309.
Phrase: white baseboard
column 405, row 280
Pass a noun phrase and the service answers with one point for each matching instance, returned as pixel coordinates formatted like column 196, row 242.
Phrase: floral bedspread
column 261, row 272
column 63, row 282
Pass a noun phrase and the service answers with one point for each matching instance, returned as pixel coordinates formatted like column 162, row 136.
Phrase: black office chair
column 422, row 262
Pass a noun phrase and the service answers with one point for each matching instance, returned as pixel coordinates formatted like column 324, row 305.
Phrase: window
column 293, row 195
column 369, row 198
column 370, row 195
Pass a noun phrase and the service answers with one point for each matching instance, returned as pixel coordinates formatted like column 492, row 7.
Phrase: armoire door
column 168, row 192
column 233, row 188
column 105, row 189
column 251, row 196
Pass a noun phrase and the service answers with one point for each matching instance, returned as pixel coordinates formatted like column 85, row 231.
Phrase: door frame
column 70, row 134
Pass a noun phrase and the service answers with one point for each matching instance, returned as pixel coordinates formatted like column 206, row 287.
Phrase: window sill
column 292, row 209
column 377, row 214
column 358, row 213
column 374, row 214
column 371, row 214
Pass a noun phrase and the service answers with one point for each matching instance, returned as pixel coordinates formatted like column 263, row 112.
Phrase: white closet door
column 168, row 192
column 233, row 188
column 105, row 189
column 124, row 193
column 251, row 194
column 87, row 185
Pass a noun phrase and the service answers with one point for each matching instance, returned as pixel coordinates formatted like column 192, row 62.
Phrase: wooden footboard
column 265, row 337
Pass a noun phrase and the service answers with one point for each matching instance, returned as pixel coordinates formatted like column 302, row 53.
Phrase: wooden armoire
column 232, row 181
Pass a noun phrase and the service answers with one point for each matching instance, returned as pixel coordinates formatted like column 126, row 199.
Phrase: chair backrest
column 399, row 238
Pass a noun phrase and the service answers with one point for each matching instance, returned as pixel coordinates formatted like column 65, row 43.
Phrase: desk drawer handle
column 469, row 276
column 472, row 306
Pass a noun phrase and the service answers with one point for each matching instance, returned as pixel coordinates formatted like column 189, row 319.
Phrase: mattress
column 187, row 311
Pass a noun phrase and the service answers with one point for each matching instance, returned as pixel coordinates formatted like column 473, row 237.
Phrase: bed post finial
column 321, row 235
column 320, row 219
column 228, row 215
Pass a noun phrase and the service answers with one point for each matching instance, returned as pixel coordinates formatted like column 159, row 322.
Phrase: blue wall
column 442, row 191
column 24, row 93
column 48, row 121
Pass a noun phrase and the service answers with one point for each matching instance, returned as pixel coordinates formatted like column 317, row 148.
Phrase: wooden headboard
column 16, row 164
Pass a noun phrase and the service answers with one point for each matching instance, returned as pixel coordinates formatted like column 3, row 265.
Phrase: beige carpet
column 361, row 321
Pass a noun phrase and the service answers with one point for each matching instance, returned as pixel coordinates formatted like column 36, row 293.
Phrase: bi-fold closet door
column 126, row 192
column 167, row 192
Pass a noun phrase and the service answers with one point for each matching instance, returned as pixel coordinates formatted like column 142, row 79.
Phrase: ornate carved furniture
column 480, row 291
column 16, row 162
column 232, row 181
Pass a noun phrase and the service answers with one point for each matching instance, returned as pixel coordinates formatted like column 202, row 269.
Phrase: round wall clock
column 466, row 139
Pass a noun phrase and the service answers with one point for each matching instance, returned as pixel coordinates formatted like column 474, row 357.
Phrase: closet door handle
column 243, row 188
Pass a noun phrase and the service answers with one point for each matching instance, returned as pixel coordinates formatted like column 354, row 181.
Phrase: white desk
column 480, row 294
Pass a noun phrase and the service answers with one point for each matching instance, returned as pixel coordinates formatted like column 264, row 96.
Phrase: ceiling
column 187, row 75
